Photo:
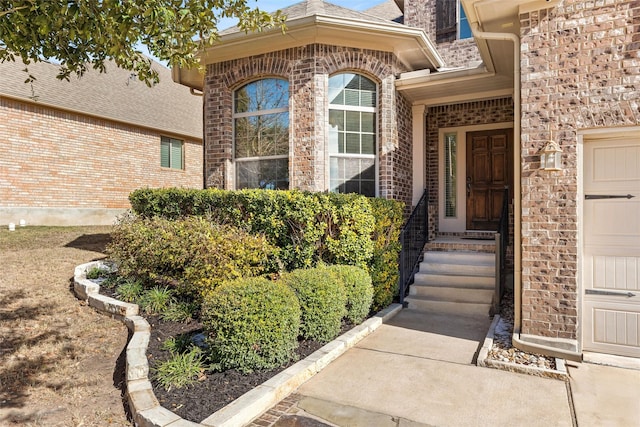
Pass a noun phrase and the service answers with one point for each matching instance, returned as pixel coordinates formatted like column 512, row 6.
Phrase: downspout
column 517, row 201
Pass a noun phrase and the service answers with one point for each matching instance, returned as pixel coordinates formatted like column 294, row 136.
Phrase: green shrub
column 307, row 228
column 322, row 301
column 347, row 238
column 358, row 289
column 383, row 265
column 252, row 324
column 181, row 369
column 193, row 255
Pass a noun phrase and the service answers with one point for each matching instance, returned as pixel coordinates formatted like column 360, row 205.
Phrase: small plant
column 156, row 300
column 178, row 344
column 130, row 291
column 180, row 311
column 97, row 272
column 181, row 370
column 112, row 281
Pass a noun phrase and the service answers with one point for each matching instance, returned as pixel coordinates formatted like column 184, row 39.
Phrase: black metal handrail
column 413, row 237
column 502, row 242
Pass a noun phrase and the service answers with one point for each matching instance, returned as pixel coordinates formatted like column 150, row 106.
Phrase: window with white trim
column 451, row 21
column 352, row 134
column 171, row 153
column 261, row 134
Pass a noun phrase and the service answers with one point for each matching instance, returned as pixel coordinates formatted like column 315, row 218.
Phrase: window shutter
column 165, row 147
column 446, row 19
column 176, row 154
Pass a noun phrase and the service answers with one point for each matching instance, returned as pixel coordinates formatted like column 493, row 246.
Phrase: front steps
column 459, row 282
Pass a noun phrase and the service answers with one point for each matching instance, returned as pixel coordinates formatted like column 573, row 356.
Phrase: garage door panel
column 612, row 222
column 611, row 247
column 615, row 328
column 614, row 273
column 615, row 163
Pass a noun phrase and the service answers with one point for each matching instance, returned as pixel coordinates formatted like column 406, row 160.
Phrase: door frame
column 458, row 224
column 588, row 135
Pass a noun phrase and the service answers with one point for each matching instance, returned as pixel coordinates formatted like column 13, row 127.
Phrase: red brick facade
column 307, row 70
column 53, row 159
column 580, row 70
column 456, row 53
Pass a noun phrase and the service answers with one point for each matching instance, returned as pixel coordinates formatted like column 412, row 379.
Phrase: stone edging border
column 560, row 373
column 144, row 406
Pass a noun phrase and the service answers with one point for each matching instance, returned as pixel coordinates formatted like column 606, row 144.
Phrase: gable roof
column 388, row 10
column 115, row 95
column 308, row 8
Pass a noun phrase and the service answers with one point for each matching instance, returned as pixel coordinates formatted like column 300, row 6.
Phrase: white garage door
column 611, row 268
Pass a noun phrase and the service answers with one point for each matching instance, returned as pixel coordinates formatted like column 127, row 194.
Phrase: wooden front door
column 489, row 172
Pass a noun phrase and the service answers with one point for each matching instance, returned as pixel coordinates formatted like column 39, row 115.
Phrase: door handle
column 607, row 196
column 468, row 186
column 609, row 293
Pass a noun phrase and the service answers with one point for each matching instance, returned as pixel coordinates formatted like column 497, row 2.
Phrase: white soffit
column 411, row 45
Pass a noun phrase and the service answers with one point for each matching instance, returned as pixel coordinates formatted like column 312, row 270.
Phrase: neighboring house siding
column 456, row 53
column 59, row 162
column 307, row 69
column 580, row 70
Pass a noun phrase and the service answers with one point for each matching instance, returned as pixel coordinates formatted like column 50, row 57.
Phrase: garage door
column 611, row 267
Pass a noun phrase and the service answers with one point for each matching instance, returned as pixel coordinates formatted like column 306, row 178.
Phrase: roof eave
column 411, row 45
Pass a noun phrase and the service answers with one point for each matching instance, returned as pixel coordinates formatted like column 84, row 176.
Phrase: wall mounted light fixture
column 551, row 157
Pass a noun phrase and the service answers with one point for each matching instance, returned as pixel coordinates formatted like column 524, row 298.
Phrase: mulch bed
column 214, row 390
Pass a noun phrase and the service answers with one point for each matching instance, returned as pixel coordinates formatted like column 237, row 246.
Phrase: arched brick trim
column 257, row 68
column 365, row 62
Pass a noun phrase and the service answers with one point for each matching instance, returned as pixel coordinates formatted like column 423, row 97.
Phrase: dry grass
column 60, row 361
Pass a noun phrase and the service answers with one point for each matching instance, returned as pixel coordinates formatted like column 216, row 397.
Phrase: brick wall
column 580, row 70
column 307, row 69
column 55, row 159
column 456, row 53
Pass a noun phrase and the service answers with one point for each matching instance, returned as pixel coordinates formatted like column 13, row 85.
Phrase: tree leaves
column 81, row 33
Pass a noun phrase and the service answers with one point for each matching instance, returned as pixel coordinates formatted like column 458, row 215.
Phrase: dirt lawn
column 61, row 363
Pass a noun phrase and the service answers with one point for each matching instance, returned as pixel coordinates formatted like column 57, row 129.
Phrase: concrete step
column 459, row 258
column 445, row 293
column 472, row 282
column 458, row 269
column 447, row 307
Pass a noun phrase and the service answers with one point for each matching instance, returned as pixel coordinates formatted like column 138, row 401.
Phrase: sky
column 273, row 5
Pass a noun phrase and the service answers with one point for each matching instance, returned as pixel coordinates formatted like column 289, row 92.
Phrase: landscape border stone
column 559, row 373
column 144, row 406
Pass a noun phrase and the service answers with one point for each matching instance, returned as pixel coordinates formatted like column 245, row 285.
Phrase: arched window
column 352, row 134
column 261, row 134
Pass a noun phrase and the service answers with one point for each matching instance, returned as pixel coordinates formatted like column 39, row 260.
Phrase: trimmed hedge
column 192, row 255
column 383, row 266
column 307, row 228
column 358, row 290
column 322, row 300
column 252, row 324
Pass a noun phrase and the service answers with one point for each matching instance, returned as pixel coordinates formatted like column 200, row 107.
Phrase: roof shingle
column 116, row 95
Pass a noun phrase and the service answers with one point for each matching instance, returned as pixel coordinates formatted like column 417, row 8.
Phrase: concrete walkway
column 418, row 370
